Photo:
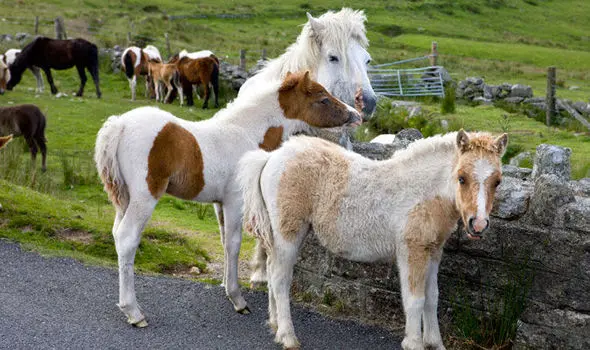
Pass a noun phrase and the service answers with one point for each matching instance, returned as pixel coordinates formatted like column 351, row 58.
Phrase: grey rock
column 582, row 107
column 581, row 187
column 516, row 172
column 506, row 87
column 519, row 90
column 519, row 158
column 6, row 37
column 551, row 159
column 512, row 198
column 534, row 100
column 22, row 36
column 462, row 84
column 474, row 81
column 577, row 215
column 444, row 124
column 551, row 193
column 482, row 100
column 409, row 134
column 373, row 150
column 490, row 92
column 514, row 99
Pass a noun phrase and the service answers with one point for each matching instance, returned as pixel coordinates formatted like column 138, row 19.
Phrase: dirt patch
column 214, row 271
column 75, row 235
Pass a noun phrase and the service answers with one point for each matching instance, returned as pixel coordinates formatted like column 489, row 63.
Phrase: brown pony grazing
column 198, row 71
column 136, row 63
column 164, row 74
column 47, row 53
column 29, row 122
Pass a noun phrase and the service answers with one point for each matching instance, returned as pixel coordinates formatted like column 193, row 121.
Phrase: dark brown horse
column 199, row 71
column 29, row 122
column 48, row 53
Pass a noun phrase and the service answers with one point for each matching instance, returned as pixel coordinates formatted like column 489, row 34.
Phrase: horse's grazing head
column 478, row 173
column 304, row 99
column 338, row 41
column 4, row 74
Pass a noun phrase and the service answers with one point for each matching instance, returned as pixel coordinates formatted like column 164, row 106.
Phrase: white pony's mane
column 339, row 28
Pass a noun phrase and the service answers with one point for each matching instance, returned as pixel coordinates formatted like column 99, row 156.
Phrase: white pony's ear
column 462, row 141
column 316, row 25
column 500, row 143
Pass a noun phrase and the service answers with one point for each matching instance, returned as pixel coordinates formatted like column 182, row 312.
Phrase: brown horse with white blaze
column 402, row 209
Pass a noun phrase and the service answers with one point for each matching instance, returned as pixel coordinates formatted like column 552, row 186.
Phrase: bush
column 448, row 103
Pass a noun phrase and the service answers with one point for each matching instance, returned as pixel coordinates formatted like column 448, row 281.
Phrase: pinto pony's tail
column 128, row 63
column 105, row 157
column 256, row 218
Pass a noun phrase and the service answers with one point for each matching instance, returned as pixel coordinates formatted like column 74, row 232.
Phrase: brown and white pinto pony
column 135, row 62
column 27, row 121
column 165, row 75
column 405, row 208
column 147, row 152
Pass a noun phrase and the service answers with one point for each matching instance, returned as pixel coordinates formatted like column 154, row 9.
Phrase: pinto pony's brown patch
column 311, row 190
column 272, row 138
column 175, row 164
column 304, row 99
column 428, row 227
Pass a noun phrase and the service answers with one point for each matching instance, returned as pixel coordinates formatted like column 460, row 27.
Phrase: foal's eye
column 461, row 180
column 333, row 59
column 325, row 101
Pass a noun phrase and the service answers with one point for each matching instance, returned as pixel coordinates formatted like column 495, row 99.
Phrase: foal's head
column 304, row 99
column 478, row 172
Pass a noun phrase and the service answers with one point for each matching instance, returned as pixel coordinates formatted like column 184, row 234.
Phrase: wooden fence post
column 434, row 54
column 168, row 45
column 60, row 28
column 243, row 59
column 36, row 25
column 550, row 99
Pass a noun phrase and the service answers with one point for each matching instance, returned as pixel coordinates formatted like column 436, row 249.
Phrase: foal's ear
column 306, row 82
column 291, row 80
column 462, row 141
column 315, row 24
column 500, row 144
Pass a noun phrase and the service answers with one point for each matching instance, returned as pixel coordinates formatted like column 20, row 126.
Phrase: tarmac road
column 59, row 303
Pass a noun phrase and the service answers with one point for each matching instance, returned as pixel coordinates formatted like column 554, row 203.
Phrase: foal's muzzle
column 354, row 119
column 476, row 228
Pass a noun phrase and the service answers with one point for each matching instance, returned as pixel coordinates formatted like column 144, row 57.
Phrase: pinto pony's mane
column 338, row 29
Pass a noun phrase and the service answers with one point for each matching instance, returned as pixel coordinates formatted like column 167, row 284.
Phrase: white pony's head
column 338, row 42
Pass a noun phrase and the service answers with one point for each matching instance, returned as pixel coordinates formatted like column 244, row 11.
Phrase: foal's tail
column 256, row 218
column 105, row 156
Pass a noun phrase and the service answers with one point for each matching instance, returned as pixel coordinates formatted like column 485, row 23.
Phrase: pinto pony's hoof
column 141, row 324
column 244, row 311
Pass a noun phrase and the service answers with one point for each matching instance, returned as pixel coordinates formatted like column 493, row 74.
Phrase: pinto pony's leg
column 127, row 236
column 219, row 214
column 83, row 80
column 132, row 86
column 412, row 264
column 258, row 278
column 232, row 218
column 432, row 336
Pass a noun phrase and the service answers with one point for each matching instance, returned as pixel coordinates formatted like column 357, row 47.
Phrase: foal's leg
column 432, row 336
column 83, row 80
column 219, row 214
column 127, row 236
column 40, row 140
column 258, row 277
column 37, row 73
column 32, row 148
column 50, row 80
column 412, row 264
column 232, row 217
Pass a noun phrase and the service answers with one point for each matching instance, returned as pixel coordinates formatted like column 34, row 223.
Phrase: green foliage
column 448, row 102
column 511, row 151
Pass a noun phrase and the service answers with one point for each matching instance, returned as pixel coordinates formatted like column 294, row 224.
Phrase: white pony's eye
column 333, row 59
column 368, row 61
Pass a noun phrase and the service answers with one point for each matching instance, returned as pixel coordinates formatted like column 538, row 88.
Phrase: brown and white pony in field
column 192, row 55
column 200, row 72
column 10, row 56
column 47, row 54
column 135, row 62
column 165, row 77
column 333, row 47
column 405, row 208
column 147, row 152
column 4, row 75
column 27, row 121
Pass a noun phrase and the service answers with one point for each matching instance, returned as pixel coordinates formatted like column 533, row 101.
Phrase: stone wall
column 540, row 233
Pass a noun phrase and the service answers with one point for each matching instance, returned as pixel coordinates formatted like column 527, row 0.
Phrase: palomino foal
column 365, row 210
column 147, row 152
column 165, row 75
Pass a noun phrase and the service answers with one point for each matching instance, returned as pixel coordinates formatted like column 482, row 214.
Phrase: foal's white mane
column 339, row 28
column 256, row 101
column 435, row 144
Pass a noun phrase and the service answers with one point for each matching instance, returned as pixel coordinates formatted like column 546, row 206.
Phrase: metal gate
column 425, row 81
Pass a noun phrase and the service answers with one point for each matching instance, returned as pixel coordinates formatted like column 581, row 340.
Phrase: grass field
column 65, row 212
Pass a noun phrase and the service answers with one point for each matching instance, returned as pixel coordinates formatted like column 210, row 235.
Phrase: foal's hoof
column 244, row 311
column 139, row 324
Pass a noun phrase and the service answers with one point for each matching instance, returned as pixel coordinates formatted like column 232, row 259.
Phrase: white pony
column 333, row 48
column 147, row 152
column 10, row 56
column 135, row 62
column 404, row 208
column 4, row 75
